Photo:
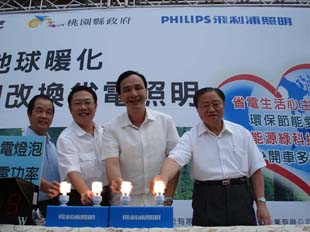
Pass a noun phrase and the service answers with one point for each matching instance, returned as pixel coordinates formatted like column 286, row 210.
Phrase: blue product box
column 77, row 216
column 141, row 216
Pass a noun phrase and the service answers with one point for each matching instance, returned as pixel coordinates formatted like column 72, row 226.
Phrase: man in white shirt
column 79, row 148
column 137, row 142
column 224, row 156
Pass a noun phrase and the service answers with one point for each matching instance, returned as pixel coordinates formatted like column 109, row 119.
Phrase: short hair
column 126, row 74
column 79, row 88
column 207, row 90
column 35, row 98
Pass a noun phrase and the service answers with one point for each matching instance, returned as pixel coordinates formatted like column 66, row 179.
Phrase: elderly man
column 224, row 157
column 40, row 114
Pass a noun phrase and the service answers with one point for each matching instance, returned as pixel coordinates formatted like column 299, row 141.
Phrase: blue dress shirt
column 50, row 170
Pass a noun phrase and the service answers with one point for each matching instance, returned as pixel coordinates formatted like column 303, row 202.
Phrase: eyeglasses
column 80, row 103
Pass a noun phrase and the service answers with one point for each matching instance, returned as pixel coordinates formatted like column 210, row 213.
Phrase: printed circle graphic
column 34, row 23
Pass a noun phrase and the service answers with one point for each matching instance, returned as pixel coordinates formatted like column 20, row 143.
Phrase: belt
column 233, row 181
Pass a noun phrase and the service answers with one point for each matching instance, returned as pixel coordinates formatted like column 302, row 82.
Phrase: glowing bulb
column 126, row 188
column 96, row 187
column 159, row 187
column 65, row 187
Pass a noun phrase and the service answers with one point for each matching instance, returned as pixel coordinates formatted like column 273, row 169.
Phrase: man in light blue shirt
column 41, row 113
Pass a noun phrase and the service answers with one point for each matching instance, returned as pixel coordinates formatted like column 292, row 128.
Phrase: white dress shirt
column 231, row 154
column 141, row 151
column 80, row 151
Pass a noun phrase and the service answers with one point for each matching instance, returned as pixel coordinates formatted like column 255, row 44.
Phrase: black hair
column 126, row 74
column 207, row 90
column 78, row 88
column 35, row 98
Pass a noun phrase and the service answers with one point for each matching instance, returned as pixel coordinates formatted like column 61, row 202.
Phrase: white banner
column 177, row 49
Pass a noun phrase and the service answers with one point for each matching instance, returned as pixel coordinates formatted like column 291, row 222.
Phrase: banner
column 22, row 157
column 259, row 56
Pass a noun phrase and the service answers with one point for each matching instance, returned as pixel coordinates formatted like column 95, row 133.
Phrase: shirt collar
column 30, row 132
column 227, row 127
column 79, row 131
column 202, row 128
column 125, row 121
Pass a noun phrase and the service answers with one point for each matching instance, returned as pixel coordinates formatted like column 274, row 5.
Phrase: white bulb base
column 159, row 199
column 125, row 199
column 97, row 200
column 63, row 199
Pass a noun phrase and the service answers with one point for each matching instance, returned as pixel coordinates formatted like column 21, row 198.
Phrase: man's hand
column 263, row 216
column 53, row 189
column 116, row 185
column 87, row 197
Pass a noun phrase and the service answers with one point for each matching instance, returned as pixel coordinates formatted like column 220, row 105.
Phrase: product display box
column 77, row 216
column 141, row 216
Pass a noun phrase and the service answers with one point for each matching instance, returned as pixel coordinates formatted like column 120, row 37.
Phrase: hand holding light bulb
column 116, row 185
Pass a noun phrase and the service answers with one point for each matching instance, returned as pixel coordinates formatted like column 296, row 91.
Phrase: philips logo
column 185, row 19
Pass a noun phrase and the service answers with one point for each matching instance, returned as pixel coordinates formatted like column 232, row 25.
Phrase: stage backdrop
column 259, row 56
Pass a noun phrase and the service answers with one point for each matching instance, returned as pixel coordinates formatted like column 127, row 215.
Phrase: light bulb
column 159, row 188
column 65, row 187
column 96, row 187
column 126, row 188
